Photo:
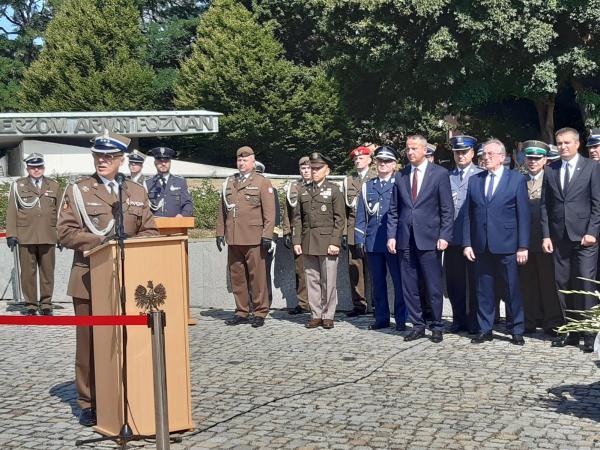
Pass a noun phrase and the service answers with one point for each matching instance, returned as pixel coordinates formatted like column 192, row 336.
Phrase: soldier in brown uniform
column 318, row 225
column 291, row 194
column 31, row 223
column 538, row 288
column 361, row 156
column 245, row 222
column 85, row 221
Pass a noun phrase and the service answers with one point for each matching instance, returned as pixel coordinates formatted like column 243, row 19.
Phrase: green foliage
column 4, row 191
column 590, row 319
column 206, row 200
column 11, row 71
column 90, row 61
column 281, row 110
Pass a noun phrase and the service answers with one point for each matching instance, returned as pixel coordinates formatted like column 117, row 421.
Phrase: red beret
column 362, row 150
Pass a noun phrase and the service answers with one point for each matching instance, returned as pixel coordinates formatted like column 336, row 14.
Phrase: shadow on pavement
column 67, row 394
column 579, row 400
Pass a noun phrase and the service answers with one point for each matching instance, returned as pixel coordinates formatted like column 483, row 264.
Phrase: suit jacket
column 459, row 195
column 175, row 196
column 430, row 217
column 36, row 225
column 579, row 212
column 253, row 216
column 371, row 229
column 501, row 225
column 74, row 233
column 534, row 191
column 318, row 218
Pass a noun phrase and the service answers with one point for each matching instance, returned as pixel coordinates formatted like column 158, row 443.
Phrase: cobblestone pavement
column 284, row 386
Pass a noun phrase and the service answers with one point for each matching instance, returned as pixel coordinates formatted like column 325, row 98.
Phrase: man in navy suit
column 460, row 272
column 419, row 228
column 496, row 238
column 370, row 237
column 570, row 214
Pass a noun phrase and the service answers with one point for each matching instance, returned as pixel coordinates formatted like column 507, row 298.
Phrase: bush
column 4, row 190
column 206, row 202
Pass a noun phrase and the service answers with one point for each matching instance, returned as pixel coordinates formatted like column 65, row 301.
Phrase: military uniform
column 169, row 197
column 246, row 217
column 356, row 266
column 137, row 157
column 31, row 219
column 139, row 179
column 319, row 222
column 370, row 233
column 291, row 193
column 538, row 286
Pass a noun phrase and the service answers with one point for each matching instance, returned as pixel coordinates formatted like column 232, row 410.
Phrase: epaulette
column 80, row 179
column 177, row 176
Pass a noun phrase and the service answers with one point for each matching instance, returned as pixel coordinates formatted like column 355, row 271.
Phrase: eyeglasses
column 489, row 154
column 108, row 157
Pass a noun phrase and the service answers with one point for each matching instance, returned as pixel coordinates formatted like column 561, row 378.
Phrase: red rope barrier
column 78, row 321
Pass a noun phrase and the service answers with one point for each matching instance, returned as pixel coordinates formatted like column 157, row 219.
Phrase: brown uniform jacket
column 534, row 190
column 353, row 190
column 35, row 225
column 291, row 200
column 319, row 218
column 73, row 232
column 253, row 216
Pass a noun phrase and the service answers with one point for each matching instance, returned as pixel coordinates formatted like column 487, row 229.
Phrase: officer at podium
column 86, row 220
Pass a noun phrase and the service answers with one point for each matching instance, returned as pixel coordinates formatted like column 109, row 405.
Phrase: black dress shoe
column 29, row 311
column 414, row 335
column 482, row 337
column 517, row 339
column 378, row 326
column 297, row 310
column 87, row 417
column 356, row 312
column 258, row 322
column 437, row 336
column 562, row 340
column 237, row 320
column 401, row 327
column 588, row 342
column 46, row 312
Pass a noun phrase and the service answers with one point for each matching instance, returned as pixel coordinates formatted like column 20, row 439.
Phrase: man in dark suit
column 496, row 237
column 570, row 214
column 419, row 228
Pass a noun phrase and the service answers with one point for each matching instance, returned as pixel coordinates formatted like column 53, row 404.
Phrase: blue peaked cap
column 594, row 138
column 462, row 142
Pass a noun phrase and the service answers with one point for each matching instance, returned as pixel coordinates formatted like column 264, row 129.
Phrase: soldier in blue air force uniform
column 168, row 193
column 370, row 234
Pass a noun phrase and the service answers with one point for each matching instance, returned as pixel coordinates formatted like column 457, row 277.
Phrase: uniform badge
column 175, row 188
column 95, row 185
column 270, row 190
column 95, row 220
column 21, row 185
column 324, row 208
column 85, row 189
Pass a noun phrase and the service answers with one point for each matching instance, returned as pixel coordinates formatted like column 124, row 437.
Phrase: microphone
column 120, row 179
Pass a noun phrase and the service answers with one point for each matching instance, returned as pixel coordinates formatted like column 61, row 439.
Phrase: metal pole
column 156, row 321
column 17, row 278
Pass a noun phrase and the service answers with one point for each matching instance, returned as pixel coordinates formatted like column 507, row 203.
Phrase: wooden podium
column 178, row 226
column 161, row 260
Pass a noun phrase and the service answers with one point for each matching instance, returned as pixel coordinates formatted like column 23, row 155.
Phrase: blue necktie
column 490, row 190
column 461, row 174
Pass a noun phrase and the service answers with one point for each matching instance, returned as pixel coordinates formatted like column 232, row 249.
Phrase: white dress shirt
column 572, row 165
column 422, row 167
column 497, row 174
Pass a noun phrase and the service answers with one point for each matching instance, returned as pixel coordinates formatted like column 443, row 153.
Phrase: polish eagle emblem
column 149, row 298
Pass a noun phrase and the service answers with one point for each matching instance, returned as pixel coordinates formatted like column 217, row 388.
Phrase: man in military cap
column 168, row 193
column 460, row 275
column 136, row 163
column 292, row 189
column 31, row 224
column 317, row 226
column 86, row 220
column 540, row 298
column 593, row 144
column 430, row 152
column 245, row 222
column 370, row 234
column 361, row 157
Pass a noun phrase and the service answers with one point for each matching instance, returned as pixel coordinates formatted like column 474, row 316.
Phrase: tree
column 90, row 61
column 281, row 110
